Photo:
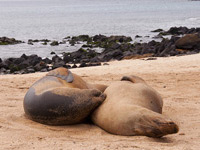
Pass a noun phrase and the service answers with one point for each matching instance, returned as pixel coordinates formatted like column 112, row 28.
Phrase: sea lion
column 62, row 98
column 132, row 107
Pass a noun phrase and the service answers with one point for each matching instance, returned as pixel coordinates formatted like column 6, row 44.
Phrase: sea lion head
column 62, row 73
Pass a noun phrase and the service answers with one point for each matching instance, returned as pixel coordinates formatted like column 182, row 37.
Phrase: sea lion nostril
column 171, row 123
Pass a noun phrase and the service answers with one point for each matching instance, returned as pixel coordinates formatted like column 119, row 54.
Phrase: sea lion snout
column 163, row 127
column 98, row 96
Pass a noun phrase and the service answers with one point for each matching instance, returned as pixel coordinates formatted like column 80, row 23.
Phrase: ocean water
column 56, row 19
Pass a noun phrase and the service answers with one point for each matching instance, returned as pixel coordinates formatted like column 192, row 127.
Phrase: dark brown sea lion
column 133, row 108
column 62, row 98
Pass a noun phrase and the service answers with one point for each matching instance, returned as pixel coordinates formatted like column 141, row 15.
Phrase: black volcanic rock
column 34, row 59
column 113, row 48
column 52, row 53
column 109, row 55
column 9, row 41
column 47, row 60
column 180, row 31
column 157, row 30
column 59, row 64
column 39, row 66
column 24, row 56
column 54, row 43
column 67, row 58
column 56, row 59
column 189, row 42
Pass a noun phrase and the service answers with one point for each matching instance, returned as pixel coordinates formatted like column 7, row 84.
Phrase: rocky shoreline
column 182, row 41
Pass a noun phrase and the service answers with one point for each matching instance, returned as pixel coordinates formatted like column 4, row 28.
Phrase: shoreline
column 99, row 49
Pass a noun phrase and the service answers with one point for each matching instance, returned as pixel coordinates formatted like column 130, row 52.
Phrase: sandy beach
column 175, row 78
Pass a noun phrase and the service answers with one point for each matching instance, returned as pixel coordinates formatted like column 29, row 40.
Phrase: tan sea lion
column 62, row 98
column 133, row 108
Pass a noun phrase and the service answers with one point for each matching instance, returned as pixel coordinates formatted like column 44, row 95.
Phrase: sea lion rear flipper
column 62, row 73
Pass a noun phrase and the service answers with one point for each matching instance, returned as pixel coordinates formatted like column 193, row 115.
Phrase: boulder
column 157, row 30
column 121, row 39
column 41, row 65
column 9, row 41
column 3, row 65
column 113, row 45
column 138, row 36
column 36, row 40
column 83, row 65
column 67, row 58
column 47, row 60
column 45, row 40
column 59, row 64
column 13, row 68
column 54, row 43
column 189, row 42
column 24, row 64
column 72, row 42
column 33, row 60
column 99, row 38
column 56, row 59
column 24, row 56
column 17, row 61
column 52, row 53
column 30, row 42
column 113, row 54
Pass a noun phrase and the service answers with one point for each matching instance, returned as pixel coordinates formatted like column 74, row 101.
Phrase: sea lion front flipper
column 62, row 106
column 62, row 73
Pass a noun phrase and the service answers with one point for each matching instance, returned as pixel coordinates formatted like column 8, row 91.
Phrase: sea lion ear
column 62, row 73
column 133, row 79
column 69, row 78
